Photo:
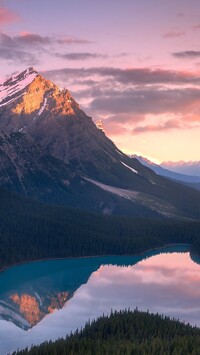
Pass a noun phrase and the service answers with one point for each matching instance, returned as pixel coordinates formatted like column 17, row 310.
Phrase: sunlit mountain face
column 27, row 96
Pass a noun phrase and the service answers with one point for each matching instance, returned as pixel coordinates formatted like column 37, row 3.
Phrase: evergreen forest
column 125, row 333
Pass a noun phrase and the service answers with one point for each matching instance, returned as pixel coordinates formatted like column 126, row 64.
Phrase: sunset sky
column 134, row 64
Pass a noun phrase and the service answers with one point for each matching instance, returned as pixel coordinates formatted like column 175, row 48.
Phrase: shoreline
column 92, row 256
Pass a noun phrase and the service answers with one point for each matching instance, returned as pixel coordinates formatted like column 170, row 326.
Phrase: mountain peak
column 29, row 71
column 11, row 88
column 31, row 101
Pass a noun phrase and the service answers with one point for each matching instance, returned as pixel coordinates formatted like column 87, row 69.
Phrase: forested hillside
column 126, row 332
column 30, row 230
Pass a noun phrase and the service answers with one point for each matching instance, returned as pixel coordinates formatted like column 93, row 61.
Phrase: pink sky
column 135, row 65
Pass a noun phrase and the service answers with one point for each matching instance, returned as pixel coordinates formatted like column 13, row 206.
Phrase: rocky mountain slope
column 51, row 150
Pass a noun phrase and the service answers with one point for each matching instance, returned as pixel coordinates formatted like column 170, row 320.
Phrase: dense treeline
column 126, row 332
column 30, row 230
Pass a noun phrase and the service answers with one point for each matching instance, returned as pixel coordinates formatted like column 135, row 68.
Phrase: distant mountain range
column 188, row 180
column 52, row 151
column 183, row 167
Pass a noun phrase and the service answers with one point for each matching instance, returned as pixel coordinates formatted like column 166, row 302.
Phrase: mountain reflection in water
column 165, row 280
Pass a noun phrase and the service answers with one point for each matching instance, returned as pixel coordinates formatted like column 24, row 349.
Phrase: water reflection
column 167, row 283
column 31, row 291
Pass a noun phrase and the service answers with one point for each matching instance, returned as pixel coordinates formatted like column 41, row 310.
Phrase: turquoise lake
column 49, row 299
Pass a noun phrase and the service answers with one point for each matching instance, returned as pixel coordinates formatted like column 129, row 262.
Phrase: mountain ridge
column 183, row 167
column 167, row 173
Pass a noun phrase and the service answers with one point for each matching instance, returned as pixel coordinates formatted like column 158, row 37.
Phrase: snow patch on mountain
column 128, row 194
column 155, row 204
column 129, row 167
column 41, row 109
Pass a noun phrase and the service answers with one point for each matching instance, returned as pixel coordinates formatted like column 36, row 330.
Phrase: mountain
column 49, row 115
column 52, row 151
column 183, row 167
column 187, row 180
column 194, row 180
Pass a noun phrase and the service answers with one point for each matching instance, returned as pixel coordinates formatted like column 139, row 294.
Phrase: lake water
column 46, row 300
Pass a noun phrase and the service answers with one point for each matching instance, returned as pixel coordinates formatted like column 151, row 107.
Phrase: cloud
column 26, row 39
column 7, row 15
column 18, row 56
column 126, row 110
column 125, row 118
column 24, row 48
column 168, row 125
column 173, row 34
column 71, row 40
column 135, row 99
column 30, row 39
column 114, row 129
column 196, row 27
column 147, row 101
column 117, row 124
column 13, row 51
column 186, row 54
column 80, row 56
column 134, row 76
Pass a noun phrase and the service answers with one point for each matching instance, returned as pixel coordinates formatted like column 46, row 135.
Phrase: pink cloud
column 71, row 40
column 196, row 27
column 7, row 16
column 170, row 124
column 114, row 129
column 173, row 34
column 27, row 38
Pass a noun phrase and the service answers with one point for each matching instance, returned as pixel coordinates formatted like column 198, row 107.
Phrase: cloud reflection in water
column 165, row 283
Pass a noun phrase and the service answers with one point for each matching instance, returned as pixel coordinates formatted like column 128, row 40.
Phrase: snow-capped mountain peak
column 12, row 88
column 29, row 99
